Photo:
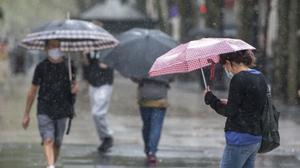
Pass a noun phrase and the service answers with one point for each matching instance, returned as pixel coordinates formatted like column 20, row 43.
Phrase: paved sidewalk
column 192, row 133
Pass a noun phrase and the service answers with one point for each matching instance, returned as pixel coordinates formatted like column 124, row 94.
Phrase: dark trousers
column 152, row 126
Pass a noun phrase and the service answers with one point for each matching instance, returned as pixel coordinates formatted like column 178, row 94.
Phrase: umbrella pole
column 69, row 68
column 204, row 80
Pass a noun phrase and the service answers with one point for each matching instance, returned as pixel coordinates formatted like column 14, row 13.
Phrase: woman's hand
column 206, row 90
column 224, row 101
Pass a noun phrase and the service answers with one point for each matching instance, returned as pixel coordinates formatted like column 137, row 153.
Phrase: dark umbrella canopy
column 137, row 51
column 75, row 35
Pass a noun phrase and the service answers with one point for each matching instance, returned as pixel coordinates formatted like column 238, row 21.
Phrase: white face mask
column 228, row 74
column 55, row 53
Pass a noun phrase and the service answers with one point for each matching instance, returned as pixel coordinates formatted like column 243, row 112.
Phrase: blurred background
column 269, row 25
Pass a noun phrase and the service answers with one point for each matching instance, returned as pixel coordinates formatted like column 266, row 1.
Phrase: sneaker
column 106, row 144
column 151, row 160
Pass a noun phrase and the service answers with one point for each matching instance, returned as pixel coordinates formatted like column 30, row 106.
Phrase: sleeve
column 233, row 103
column 37, row 76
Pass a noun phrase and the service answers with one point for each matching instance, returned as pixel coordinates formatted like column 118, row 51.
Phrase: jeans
column 239, row 156
column 152, row 126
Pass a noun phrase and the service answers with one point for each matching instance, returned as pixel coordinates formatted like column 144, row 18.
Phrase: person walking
column 152, row 101
column 100, row 78
column 243, row 109
column 55, row 91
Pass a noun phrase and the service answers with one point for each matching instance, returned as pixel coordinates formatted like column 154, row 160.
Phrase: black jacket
column 98, row 76
column 246, row 99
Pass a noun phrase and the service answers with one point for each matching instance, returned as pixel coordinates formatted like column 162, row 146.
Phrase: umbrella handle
column 204, row 80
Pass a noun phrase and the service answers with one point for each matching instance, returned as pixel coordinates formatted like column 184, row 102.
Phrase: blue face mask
column 228, row 74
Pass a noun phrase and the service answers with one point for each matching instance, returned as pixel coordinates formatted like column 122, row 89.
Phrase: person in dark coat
column 243, row 109
column 100, row 78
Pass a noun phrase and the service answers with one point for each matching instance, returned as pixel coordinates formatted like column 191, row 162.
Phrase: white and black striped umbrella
column 74, row 35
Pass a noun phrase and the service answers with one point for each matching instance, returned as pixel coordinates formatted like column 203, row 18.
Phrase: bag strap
column 72, row 100
column 69, row 125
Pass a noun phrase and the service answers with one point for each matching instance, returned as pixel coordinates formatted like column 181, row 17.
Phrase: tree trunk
column 298, row 34
column 247, row 20
column 187, row 13
column 264, row 33
column 151, row 8
column 163, row 12
column 281, row 50
column 214, row 17
column 293, row 68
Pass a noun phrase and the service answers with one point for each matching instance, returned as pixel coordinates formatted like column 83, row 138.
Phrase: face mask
column 55, row 53
column 228, row 74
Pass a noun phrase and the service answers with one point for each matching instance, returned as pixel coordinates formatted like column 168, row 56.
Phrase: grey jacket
column 152, row 90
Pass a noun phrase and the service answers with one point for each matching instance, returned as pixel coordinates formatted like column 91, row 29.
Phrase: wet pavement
column 192, row 133
column 85, row 156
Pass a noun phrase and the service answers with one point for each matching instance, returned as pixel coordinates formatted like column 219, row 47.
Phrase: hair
column 47, row 42
column 243, row 56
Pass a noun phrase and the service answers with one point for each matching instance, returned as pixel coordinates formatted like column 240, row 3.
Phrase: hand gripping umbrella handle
column 204, row 80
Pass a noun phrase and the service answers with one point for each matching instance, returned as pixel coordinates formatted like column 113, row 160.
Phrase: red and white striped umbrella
column 196, row 54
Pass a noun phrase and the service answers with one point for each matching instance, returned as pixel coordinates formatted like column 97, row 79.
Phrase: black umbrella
column 137, row 51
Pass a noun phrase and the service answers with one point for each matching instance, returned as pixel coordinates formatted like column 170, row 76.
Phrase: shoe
column 106, row 144
column 151, row 160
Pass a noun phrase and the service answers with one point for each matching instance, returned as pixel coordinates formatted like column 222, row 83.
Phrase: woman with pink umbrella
column 243, row 109
column 247, row 92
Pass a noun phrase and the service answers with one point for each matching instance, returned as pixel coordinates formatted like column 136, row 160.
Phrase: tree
column 1, row 13
column 214, row 17
column 293, row 51
column 281, row 52
column 163, row 15
column 247, row 20
column 188, row 15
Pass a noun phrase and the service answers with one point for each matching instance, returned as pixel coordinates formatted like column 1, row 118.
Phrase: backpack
column 269, row 123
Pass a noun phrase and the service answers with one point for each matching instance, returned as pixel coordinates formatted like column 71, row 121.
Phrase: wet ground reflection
column 85, row 156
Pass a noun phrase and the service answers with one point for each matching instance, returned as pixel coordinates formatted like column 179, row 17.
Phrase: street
column 192, row 134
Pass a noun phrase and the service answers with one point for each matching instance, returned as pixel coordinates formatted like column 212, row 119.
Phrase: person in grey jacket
column 152, row 101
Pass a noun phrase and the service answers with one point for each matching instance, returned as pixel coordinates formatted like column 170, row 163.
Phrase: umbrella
column 196, row 54
column 137, row 51
column 75, row 35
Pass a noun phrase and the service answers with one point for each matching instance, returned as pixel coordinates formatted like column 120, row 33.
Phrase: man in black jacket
column 100, row 78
